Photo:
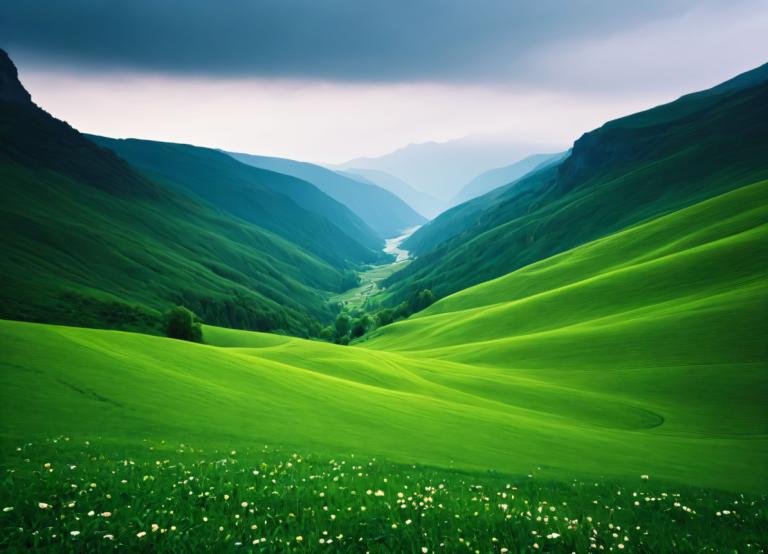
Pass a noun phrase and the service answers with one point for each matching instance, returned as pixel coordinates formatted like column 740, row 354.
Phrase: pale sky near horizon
column 327, row 82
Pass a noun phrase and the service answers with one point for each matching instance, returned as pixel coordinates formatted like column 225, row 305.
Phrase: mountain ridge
column 383, row 211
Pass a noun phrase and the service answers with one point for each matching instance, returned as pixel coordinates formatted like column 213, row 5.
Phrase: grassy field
column 588, row 364
column 638, row 354
column 72, row 494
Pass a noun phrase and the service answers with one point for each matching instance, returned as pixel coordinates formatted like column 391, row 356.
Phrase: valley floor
column 371, row 278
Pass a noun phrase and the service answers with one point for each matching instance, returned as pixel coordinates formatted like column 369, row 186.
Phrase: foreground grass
column 67, row 494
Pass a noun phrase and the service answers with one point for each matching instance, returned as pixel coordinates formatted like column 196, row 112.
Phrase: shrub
column 181, row 323
column 361, row 326
column 342, row 327
column 385, row 316
column 421, row 300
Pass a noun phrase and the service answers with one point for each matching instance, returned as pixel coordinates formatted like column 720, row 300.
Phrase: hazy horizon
column 275, row 82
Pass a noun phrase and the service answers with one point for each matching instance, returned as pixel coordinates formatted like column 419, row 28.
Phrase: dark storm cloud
column 349, row 40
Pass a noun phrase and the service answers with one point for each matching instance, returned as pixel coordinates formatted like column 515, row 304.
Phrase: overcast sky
column 332, row 80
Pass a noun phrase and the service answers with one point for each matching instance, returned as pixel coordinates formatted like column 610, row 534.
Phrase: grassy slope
column 384, row 211
column 630, row 170
column 89, row 241
column 69, row 248
column 633, row 354
column 285, row 205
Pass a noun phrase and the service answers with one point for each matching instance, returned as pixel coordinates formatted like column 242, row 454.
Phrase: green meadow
column 592, row 376
column 629, row 355
column 68, row 494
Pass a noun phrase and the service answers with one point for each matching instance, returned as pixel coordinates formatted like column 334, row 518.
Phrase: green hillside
column 89, row 241
column 461, row 220
column 630, row 170
column 288, row 206
column 382, row 210
column 633, row 354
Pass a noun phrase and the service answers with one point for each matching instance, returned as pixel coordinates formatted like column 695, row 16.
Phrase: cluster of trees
column 353, row 325
column 239, row 311
column 181, row 323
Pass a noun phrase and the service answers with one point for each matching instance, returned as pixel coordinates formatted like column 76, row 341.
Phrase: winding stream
column 392, row 246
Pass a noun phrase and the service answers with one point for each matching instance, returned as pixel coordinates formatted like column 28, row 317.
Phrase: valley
column 371, row 278
column 207, row 349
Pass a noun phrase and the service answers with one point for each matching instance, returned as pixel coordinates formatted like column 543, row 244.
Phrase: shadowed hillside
column 288, row 206
column 90, row 241
column 383, row 211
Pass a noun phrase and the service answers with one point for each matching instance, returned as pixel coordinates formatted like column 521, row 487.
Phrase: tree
column 361, row 326
column 181, row 323
column 421, row 300
column 342, row 327
column 385, row 316
column 403, row 310
column 328, row 333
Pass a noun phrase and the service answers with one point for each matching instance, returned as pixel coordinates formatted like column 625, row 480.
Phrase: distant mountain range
column 441, row 169
column 386, row 213
column 288, row 206
column 500, row 176
column 425, row 204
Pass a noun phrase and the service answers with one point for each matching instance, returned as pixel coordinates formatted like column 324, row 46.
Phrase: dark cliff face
column 11, row 90
column 31, row 137
column 595, row 151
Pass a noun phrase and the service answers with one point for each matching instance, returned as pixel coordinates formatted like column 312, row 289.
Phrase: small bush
column 342, row 328
column 181, row 323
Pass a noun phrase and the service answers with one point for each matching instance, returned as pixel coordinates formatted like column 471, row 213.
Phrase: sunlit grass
column 68, row 494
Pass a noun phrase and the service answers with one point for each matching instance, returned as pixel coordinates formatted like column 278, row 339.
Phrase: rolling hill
column 632, row 354
column 383, row 211
column 290, row 207
column 630, row 170
column 90, row 241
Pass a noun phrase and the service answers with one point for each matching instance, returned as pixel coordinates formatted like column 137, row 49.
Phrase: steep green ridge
column 638, row 353
column 288, row 206
column 89, row 241
column 629, row 170
column 383, row 211
column 500, row 176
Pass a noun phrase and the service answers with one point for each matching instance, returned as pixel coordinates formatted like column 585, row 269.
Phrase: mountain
column 495, row 178
column 638, row 353
column 425, row 204
column 383, row 211
column 457, row 220
column 441, row 169
column 625, row 172
column 88, row 240
column 288, row 206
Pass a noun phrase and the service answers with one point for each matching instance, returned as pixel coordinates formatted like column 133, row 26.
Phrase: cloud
column 317, row 121
column 329, row 80
column 344, row 40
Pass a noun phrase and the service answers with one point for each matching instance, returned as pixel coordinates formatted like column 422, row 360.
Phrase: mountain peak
column 11, row 89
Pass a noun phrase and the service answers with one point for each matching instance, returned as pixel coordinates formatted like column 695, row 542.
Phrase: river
column 371, row 277
column 392, row 246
